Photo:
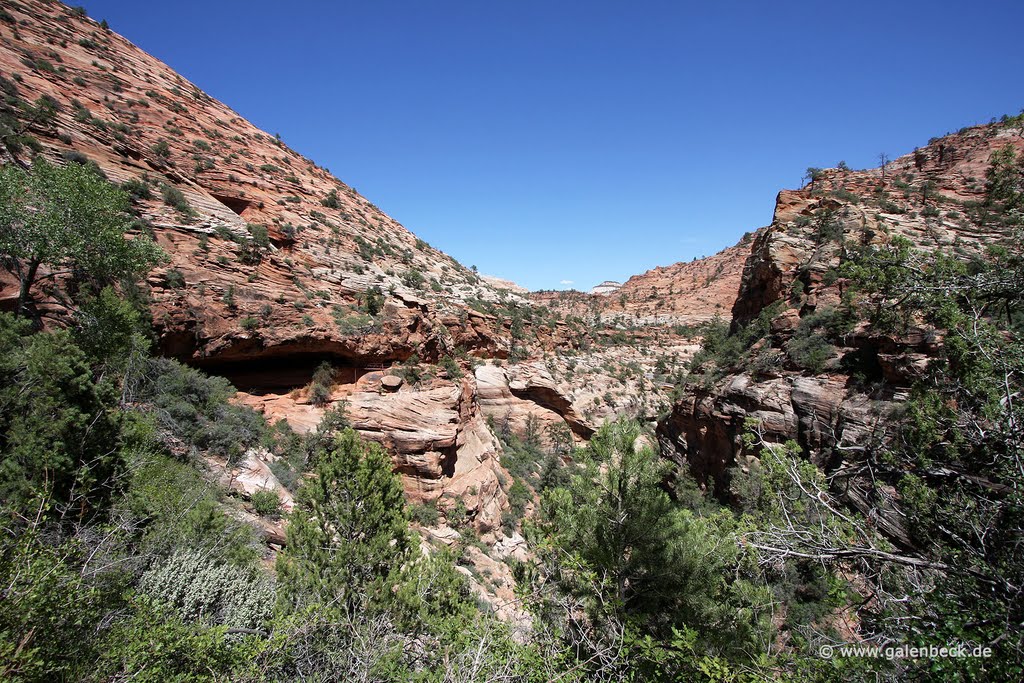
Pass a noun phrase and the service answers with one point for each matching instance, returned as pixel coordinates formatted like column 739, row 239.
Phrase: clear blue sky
column 553, row 142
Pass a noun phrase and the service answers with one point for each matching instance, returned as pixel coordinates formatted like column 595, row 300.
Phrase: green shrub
column 320, row 386
column 410, row 370
column 260, row 236
column 349, row 321
column 810, row 347
column 519, row 496
column 266, row 502
column 373, row 301
column 174, row 278
column 57, row 423
column 331, row 201
column 161, row 148
column 196, row 409
column 810, row 351
column 348, row 532
column 203, row 590
column 181, row 510
column 137, row 188
column 50, row 613
column 424, row 514
column 175, row 198
column 413, row 279
column 451, row 367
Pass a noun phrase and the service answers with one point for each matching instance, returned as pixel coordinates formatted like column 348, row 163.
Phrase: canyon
column 276, row 267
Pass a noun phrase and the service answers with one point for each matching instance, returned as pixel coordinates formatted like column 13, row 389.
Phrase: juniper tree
column 348, row 534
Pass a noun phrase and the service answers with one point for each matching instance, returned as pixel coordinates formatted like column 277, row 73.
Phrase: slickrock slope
column 926, row 197
column 919, row 196
column 686, row 293
column 275, row 265
column 271, row 255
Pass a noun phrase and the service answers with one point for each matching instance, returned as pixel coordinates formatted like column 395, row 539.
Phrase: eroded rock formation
column 924, row 197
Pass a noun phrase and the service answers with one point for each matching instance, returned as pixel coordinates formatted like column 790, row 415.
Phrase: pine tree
column 348, row 534
column 620, row 522
column 636, row 562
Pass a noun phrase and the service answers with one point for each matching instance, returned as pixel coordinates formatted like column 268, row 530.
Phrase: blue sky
column 572, row 142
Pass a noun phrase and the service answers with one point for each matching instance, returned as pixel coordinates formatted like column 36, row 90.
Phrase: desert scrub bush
column 372, row 301
column 519, row 496
column 349, row 321
column 180, row 508
column 723, row 349
column 137, row 189
column 410, row 370
column 266, row 502
column 174, row 279
column 175, row 198
column 413, row 279
column 320, row 387
column 331, row 201
column 424, row 514
column 161, row 148
column 450, row 367
column 811, row 345
column 196, row 409
column 202, row 590
column 260, row 235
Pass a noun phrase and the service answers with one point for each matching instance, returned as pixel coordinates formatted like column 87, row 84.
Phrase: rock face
column 435, row 430
column 512, row 397
column 275, row 265
column 684, row 293
column 830, row 414
column 627, row 344
column 872, row 207
column 271, row 255
column 606, row 287
column 687, row 293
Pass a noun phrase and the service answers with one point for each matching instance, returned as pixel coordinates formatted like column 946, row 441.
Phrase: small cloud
column 566, row 282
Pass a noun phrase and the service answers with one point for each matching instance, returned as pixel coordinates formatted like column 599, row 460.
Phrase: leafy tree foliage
column 62, row 230
column 940, row 482
column 195, row 408
column 957, row 455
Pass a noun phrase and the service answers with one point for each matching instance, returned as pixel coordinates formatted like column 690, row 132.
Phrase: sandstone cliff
column 834, row 410
column 275, row 264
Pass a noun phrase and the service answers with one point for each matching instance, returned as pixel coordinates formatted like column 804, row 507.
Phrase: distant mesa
column 607, row 287
column 499, row 283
